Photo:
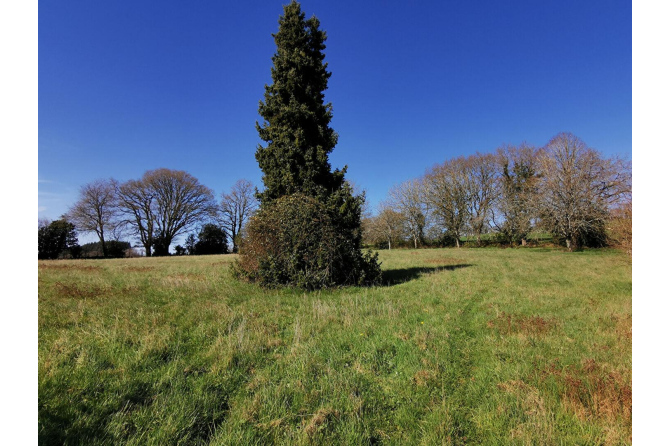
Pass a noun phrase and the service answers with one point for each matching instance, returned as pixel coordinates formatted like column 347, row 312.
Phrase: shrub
column 296, row 240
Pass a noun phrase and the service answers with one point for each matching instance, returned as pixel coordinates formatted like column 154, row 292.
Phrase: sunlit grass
column 492, row 346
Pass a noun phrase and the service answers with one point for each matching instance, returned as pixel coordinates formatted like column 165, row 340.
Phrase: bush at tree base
column 297, row 240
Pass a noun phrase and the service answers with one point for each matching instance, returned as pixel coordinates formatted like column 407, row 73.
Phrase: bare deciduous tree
column 578, row 188
column 236, row 208
column 446, row 194
column 96, row 210
column 136, row 202
column 482, row 190
column 164, row 204
column 516, row 205
column 385, row 227
column 407, row 199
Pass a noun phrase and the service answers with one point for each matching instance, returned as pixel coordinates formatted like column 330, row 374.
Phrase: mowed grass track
column 469, row 346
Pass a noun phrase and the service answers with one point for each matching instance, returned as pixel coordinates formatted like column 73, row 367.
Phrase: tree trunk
column 523, row 242
column 102, row 243
column 234, row 240
column 458, row 242
column 389, row 244
column 147, row 250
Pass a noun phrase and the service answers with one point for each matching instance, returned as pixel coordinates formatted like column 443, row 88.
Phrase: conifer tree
column 296, row 172
column 296, row 119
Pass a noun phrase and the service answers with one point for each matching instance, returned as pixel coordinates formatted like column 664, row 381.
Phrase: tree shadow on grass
column 392, row 277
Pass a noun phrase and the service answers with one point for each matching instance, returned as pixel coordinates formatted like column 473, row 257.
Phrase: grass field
column 469, row 346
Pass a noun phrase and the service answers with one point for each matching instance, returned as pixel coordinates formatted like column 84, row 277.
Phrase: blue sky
column 125, row 87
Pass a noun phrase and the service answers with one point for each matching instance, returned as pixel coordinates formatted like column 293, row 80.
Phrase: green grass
column 469, row 346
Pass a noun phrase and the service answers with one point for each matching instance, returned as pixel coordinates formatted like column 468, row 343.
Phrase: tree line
column 155, row 209
column 564, row 188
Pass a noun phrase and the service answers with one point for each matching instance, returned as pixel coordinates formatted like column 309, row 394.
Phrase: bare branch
column 164, row 204
column 236, row 208
column 96, row 210
column 407, row 199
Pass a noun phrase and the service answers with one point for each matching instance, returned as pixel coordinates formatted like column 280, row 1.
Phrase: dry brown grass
column 73, row 290
column 424, row 377
column 271, row 424
column 138, row 269
column 179, row 280
column 68, row 267
column 590, row 391
column 320, row 418
column 514, row 323
column 250, row 411
column 444, row 261
column 622, row 324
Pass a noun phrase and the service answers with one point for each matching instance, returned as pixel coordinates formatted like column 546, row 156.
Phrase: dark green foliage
column 211, row 240
column 297, row 240
column 295, row 165
column 57, row 239
column 161, row 246
column 296, row 119
column 179, row 250
column 115, row 249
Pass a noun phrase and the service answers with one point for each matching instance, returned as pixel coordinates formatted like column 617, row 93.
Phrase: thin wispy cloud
column 53, row 198
column 51, row 195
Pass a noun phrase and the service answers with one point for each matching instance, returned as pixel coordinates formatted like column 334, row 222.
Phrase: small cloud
column 50, row 195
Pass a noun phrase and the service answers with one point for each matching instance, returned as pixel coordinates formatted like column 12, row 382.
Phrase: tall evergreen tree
column 296, row 119
column 296, row 171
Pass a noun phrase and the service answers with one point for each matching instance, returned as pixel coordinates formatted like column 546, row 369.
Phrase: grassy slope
column 463, row 346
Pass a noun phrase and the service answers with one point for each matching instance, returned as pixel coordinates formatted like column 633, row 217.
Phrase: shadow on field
column 392, row 277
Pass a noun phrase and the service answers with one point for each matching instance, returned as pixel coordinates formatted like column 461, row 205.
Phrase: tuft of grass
column 459, row 346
